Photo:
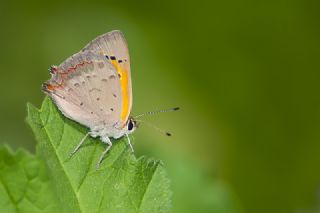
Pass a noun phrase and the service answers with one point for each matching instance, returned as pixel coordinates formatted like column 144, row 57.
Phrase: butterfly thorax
column 116, row 131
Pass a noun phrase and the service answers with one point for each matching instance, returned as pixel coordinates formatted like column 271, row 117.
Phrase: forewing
column 86, row 88
column 114, row 48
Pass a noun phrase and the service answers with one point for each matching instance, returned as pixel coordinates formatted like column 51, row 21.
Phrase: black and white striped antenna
column 157, row 112
column 154, row 113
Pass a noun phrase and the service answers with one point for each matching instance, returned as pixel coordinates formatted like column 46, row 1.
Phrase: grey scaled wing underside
column 86, row 88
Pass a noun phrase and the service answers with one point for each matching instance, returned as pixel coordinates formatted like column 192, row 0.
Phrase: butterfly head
column 131, row 125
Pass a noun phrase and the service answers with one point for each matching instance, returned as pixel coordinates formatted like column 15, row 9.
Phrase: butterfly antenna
column 155, row 127
column 157, row 112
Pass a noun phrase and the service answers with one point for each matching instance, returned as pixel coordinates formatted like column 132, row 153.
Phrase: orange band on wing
column 52, row 87
column 124, row 81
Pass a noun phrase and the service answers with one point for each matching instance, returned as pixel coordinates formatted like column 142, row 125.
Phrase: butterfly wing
column 86, row 88
column 113, row 47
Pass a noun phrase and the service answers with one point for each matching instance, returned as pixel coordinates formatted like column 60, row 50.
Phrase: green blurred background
column 245, row 74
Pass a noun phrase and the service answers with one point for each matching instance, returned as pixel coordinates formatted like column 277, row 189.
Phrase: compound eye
column 130, row 125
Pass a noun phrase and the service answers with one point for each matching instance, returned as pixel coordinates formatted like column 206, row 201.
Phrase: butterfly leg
column 108, row 141
column 129, row 142
column 78, row 146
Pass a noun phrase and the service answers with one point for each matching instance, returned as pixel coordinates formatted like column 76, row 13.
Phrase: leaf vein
column 61, row 164
column 87, row 169
column 146, row 188
column 9, row 194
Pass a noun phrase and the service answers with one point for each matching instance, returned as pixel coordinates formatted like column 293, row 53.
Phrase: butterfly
column 93, row 87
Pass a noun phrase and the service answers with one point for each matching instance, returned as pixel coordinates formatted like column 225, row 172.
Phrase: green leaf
column 24, row 184
column 122, row 183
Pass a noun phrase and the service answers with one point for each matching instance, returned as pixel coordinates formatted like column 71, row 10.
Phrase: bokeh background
column 245, row 74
